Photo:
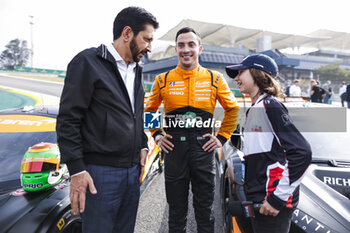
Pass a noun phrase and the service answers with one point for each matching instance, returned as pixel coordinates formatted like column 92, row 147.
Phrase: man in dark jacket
column 100, row 125
column 314, row 91
column 348, row 94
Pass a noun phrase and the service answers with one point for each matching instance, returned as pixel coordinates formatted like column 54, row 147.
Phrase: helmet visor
column 39, row 164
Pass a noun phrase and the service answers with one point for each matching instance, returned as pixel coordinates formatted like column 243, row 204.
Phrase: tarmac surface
column 32, row 85
column 152, row 216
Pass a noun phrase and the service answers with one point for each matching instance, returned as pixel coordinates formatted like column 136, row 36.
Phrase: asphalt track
column 40, row 86
column 152, row 216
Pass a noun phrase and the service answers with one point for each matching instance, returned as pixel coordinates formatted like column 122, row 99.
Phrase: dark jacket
column 96, row 124
column 316, row 95
column 276, row 154
column 348, row 93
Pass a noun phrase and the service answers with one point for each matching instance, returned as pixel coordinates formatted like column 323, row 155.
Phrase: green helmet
column 41, row 167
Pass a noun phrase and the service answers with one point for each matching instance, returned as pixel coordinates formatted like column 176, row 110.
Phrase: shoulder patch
column 286, row 119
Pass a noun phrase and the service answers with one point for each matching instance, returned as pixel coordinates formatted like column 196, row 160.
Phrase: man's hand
column 78, row 186
column 212, row 144
column 267, row 209
column 165, row 144
column 143, row 158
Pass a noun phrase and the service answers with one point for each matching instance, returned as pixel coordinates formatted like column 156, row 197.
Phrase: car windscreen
column 12, row 148
column 329, row 146
column 326, row 128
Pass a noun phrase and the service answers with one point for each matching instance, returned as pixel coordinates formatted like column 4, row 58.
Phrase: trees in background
column 332, row 72
column 16, row 54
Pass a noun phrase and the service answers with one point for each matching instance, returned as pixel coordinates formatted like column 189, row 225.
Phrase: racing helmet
column 41, row 167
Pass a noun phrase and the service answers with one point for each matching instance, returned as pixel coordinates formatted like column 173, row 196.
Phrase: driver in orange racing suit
column 189, row 94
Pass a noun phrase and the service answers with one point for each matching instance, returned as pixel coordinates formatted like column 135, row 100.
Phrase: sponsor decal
column 33, row 186
column 19, row 192
column 203, row 84
column 202, row 94
column 152, row 120
column 26, row 123
column 336, row 181
column 202, row 98
column 177, row 84
column 177, row 89
column 256, row 128
column 61, row 224
column 309, row 224
column 333, row 178
column 286, row 120
column 202, row 90
column 256, row 64
column 176, row 93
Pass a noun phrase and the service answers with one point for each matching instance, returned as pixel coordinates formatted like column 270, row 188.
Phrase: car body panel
column 318, row 196
column 33, row 212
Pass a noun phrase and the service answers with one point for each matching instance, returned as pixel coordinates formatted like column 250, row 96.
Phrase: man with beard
column 100, row 125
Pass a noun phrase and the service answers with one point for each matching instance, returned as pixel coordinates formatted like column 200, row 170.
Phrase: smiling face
column 246, row 83
column 188, row 50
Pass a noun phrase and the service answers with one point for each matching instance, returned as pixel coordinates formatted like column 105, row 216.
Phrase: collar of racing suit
column 188, row 73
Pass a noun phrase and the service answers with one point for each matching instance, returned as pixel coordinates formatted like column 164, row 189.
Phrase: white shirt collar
column 127, row 73
column 117, row 57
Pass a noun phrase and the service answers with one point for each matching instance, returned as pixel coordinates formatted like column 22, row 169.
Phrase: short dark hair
column 134, row 17
column 186, row 30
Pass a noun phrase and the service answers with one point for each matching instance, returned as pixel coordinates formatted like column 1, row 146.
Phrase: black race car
column 46, row 211
column 324, row 204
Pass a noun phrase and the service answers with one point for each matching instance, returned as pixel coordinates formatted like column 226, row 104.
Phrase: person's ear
column 200, row 49
column 127, row 34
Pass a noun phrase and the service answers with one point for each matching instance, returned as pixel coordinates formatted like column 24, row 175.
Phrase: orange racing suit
column 195, row 91
column 190, row 96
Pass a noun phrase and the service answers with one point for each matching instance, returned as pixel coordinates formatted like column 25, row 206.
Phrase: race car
column 324, row 204
column 34, row 184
